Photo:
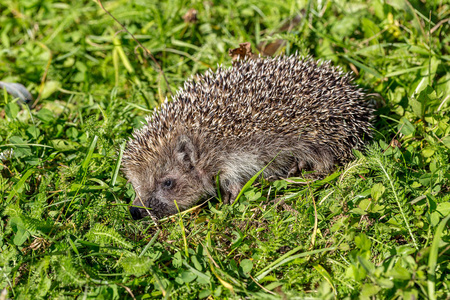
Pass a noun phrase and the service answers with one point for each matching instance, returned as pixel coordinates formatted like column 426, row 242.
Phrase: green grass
column 375, row 229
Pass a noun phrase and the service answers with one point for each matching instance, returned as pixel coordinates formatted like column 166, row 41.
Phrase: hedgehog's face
column 175, row 176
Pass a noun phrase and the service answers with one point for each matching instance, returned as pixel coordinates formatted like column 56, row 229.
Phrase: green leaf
column 368, row 290
column 428, row 152
column 49, row 88
column 426, row 101
column 246, row 266
column 356, row 273
column 435, row 217
column 425, row 179
column 72, row 133
column 204, row 294
column 399, row 272
column 21, row 148
column 324, row 273
column 358, row 211
column 327, row 179
column 405, row 250
column 365, row 204
column 406, row 127
column 45, row 115
column 11, row 110
column 432, row 260
column 425, row 76
column 188, row 276
column 444, row 208
column 21, row 234
column 34, row 132
column 64, row 145
column 367, row 265
column 417, row 107
column 282, row 184
column 370, row 30
column 136, row 266
column 139, row 122
column 339, row 224
column 68, row 273
column 363, row 242
column 196, row 263
column 202, row 277
column 105, row 235
column 446, row 141
column 345, row 26
column 443, row 85
column 177, row 260
column 377, row 191
column 384, row 283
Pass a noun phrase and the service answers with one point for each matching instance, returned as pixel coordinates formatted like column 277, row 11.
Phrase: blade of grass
column 18, row 186
column 197, row 272
column 287, row 258
column 117, row 166
column 250, row 182
column 213, row 270
column 152, row 241
column 364, row 67
column 432, row 260
column 87, row 159
column 325, row 275
column 118, row 46
column 183, row 231
column 84, row 169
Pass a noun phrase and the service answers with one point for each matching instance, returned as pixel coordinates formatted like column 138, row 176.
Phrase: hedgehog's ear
column 185, row 152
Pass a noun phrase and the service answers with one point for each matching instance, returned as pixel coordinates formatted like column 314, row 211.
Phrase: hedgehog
column 287, row 114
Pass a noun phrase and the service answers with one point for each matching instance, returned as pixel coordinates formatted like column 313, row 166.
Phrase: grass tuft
column 376, row 228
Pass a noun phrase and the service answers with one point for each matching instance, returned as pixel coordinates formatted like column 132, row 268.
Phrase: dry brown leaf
column 190, row 16
column 396, row 143
column 244, row 51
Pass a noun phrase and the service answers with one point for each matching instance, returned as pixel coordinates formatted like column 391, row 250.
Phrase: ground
column 376, row 228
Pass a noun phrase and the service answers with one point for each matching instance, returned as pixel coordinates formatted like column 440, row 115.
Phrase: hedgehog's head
column 161, row 176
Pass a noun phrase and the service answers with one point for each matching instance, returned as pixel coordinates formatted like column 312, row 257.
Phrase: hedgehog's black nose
column 135, row 213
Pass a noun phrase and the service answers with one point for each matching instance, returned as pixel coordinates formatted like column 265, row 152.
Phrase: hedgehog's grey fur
column 300, row 113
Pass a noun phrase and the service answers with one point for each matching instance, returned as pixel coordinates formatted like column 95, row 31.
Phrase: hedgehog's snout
column 138, row 208
column 135, row 213
column 155, row 207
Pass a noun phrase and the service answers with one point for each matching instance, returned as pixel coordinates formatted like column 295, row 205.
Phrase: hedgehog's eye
column 168, row 183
